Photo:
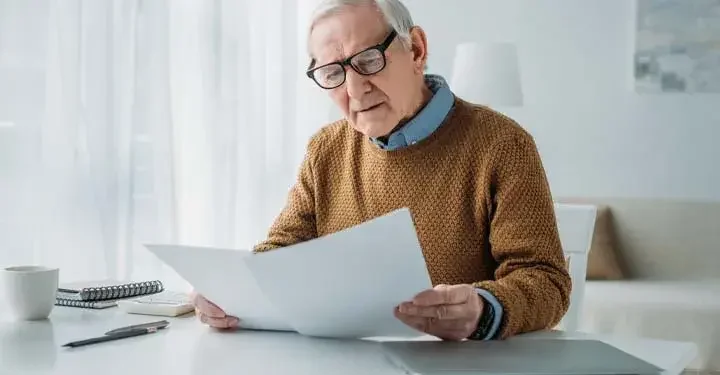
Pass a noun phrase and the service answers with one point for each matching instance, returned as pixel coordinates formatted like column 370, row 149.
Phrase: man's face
column 374, row 104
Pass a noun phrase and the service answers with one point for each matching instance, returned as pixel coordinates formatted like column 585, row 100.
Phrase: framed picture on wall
column 677, row 46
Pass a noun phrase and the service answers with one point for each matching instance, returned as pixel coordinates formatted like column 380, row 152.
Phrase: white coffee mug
column 28, row 292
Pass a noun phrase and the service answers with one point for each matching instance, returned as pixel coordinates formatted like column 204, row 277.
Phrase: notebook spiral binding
column 122, row 291
column 83, row 304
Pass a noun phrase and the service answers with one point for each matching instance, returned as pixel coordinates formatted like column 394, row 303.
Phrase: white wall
column 596, row 136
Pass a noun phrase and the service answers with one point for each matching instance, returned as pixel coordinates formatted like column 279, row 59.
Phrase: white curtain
column 163, row 121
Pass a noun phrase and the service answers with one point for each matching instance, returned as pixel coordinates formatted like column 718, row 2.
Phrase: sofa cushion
column 603, row 258
column 667, row 310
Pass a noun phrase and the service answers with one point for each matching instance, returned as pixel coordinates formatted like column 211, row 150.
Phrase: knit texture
column 478, row 195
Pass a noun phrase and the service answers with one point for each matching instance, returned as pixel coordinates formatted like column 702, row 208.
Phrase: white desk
column 187, row 347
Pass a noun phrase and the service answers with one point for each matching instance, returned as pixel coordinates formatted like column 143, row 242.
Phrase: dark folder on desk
column 515, row 356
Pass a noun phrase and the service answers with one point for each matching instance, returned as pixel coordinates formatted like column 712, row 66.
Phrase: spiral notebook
column 103, row 294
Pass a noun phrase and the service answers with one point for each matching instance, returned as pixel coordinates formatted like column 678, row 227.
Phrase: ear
column 419, row 48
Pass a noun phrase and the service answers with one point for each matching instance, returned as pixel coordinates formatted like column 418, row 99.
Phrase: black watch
column 485, row 324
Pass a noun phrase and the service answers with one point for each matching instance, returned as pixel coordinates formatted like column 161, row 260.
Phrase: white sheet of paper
column 347, row 284
column 221, row 276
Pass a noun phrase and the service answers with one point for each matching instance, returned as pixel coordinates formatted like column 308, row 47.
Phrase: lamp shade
column 487, row 74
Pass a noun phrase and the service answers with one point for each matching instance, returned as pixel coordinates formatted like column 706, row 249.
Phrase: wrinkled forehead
column 346, row 32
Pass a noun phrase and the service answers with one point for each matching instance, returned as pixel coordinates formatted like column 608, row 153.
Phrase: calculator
column 165, row 303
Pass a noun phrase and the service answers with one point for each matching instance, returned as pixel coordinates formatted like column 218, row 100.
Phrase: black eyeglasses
column 367, row 62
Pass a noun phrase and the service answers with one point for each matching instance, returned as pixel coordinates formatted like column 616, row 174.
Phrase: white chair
column 576, row 224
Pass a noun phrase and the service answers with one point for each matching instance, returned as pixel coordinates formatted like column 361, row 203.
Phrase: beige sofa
column 654, row 271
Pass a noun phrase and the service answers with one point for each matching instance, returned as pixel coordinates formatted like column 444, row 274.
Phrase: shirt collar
column 426, row 121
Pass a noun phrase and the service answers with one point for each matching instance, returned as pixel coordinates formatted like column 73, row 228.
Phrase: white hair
column 395, row 13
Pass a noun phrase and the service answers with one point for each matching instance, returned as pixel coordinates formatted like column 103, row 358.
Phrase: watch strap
column 485, row 323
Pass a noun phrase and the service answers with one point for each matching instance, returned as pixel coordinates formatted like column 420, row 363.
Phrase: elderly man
column 471, row 178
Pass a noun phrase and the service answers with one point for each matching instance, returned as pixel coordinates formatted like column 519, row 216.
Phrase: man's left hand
column 449, row 312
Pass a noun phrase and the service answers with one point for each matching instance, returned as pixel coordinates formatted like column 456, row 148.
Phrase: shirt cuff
column 497, row 307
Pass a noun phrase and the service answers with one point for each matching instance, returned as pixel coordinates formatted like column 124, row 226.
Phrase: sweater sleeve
column 296, row 222
column 531, row 281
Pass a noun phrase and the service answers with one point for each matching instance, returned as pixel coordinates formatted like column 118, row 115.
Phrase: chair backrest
column 576, row 224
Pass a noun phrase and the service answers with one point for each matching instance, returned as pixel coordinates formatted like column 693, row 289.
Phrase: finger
column 222, row 323
column 458, row 329
column 458, row 325
column 444, row 295
column 441, row 312
column 419, row 323
column 208, row 308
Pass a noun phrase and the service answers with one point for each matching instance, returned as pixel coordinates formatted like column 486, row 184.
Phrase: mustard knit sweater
column 479, row 197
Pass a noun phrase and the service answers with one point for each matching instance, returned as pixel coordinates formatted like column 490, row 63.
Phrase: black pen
column 159, row 325
column 114, row 336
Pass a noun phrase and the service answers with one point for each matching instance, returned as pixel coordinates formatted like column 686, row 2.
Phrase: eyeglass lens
column 366, row 63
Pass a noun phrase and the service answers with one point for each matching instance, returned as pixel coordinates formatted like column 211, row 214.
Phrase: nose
column 356, row 84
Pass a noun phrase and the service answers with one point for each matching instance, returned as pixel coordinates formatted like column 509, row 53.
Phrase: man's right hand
column 210, row 314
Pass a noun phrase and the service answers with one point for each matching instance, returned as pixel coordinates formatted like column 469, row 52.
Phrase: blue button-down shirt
column 429, row 119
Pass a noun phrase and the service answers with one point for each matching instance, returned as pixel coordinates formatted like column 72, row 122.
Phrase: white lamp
column 487, row 74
